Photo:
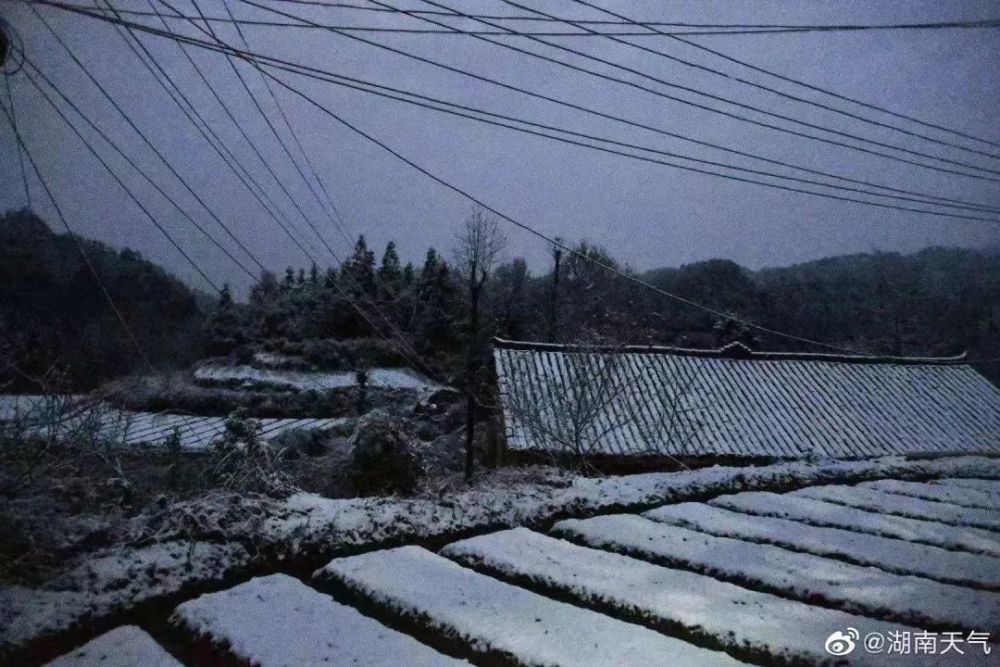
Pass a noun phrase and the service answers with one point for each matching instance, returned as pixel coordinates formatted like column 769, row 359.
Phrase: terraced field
column 747, row 578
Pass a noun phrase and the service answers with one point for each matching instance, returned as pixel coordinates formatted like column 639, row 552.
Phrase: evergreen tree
column 408, row 275
column 360, row 269
column 300, row 279
column 330, row 281
column 289, row 280
column 390, row 275
column 314, row 275
column 223, row 328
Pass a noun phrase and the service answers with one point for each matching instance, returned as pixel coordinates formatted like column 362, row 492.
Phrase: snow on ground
column 310, row 522
column 112, row 583
column 891, row 503
column 888, row 554
column 389, row 378
column 956, row 496
column 832, row 515
column 277, row 621
column 127, row 646
column 806, row 577
column 988, row 485
column 309, row 525
column 495, row 618
column 731, row 618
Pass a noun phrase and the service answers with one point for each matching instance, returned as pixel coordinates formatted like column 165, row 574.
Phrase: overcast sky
column 647, row 215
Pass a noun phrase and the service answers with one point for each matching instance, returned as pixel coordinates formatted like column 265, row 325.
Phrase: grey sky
column 646, row 214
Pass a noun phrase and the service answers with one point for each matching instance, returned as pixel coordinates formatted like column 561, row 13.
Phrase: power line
column 149, row 144
column 242, row 132
column 76, row 240
column 690, row 30
column 135, row 166
column 774, row 91
column 770, row 27
column 111, row 172
column 541, row 235
column 728, row 114
column 827, row 91
column 208, row 134
column 550, row 240
column 580, row 107
column 565, row 103
column 374, row 306
column 307, row 71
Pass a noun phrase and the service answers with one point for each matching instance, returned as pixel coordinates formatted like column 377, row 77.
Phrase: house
column 735, row 402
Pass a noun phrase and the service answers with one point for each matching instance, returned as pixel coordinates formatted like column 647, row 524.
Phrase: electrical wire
column 111, row 172
column 578, row 107
column 76, row 240
column 328, row 78
column 775, row 91
column 728, row 114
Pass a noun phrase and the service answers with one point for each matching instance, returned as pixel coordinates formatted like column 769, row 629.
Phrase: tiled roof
column 738, row 402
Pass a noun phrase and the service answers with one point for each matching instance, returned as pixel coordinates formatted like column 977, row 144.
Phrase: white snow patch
column 114, row 582
column 915, row 508
column 389, row 378
column 956, row 496
column 127, row 646
column 307, row 521
column 831, row 515
column 989, row 485
column 860, row 548
column 494, row 617
column 731, row 617
column 277, row 621
column 853, row 588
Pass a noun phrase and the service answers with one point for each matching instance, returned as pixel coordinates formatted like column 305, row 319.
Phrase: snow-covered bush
column 243, row 462
column 383, row 456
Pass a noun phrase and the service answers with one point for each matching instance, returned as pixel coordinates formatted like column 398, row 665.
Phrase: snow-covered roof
column 734, row 401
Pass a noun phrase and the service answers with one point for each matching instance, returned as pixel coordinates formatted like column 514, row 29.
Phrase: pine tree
column 314, row 275
column 360, row 269
column 389, row 274
column 408, row 274
column 289, row 280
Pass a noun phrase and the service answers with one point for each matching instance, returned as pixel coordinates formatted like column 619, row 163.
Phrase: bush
column 243, row 462
column 383, row 456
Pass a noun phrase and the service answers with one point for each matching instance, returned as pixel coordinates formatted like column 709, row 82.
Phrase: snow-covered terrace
column 688, row 568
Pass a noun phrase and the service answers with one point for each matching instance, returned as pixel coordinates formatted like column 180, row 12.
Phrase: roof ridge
column 725, row 353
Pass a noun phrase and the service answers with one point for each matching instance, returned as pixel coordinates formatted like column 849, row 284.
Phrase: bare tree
column 577, row 403
column 553, row 323
column 670, row 423
column 477, row 248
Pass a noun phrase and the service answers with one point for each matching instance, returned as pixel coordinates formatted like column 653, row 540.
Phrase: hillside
column 53, row 314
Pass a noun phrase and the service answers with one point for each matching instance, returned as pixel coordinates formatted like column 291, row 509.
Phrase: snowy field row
column 195, row 433
column 966, row 497
column 701, row 585
column 503, row 622
column 908, row 506
column 831, row 515
column 722, row 615
column 801, row 576
column 892, row 555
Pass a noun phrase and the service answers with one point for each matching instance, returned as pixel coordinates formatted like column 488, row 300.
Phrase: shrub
column 243, row 462
column 383, row 456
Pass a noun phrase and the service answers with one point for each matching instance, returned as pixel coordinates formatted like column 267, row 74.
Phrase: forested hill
column 52, row 312
column 939, row 301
